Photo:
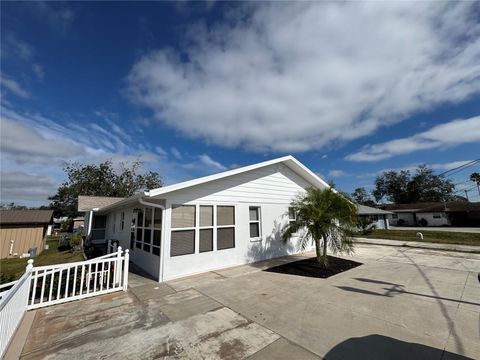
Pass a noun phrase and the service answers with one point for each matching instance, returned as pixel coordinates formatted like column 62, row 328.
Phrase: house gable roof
column 288, row 161
column 87, row 203
column 367, row 210
column 14, row 217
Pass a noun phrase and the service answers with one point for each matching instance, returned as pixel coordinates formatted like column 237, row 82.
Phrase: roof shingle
column 25, row 216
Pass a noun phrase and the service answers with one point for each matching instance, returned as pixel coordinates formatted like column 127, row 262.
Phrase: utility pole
column 466, row 194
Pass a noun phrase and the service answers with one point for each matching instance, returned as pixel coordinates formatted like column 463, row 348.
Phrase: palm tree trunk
column 322, row 255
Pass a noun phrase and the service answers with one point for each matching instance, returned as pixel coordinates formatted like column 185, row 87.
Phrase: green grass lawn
column 445, row 237
column 13, row 269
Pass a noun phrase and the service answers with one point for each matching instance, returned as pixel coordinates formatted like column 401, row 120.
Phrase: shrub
column 365, row 225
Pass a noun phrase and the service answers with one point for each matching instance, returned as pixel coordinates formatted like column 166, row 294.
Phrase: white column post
column 119, row 266
column 115, row 247
column 125, row 270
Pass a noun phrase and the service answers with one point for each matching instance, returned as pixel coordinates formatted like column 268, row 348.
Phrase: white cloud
column 34, row 147
column 38, row 71
column 336, row 173
column 299, row 76
column 13, row 86
column 442, row 136
column 12, row 46
column 21, row 187
column 176, row 153
column 205, row 163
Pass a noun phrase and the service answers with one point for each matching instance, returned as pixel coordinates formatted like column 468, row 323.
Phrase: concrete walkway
column 402, row 303
column 421, row 245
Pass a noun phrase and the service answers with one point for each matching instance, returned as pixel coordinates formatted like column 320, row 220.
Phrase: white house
column 378, row 217
column 222, row 220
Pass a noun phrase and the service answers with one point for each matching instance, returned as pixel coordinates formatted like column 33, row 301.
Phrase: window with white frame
column 183, row 230
column 122, row 221
column 437, row 216
column 148, row 231
column 114, row 221
column 225, row 227
column 292, row 217
column 205, row 228
column 254, row 222
column 394, row 216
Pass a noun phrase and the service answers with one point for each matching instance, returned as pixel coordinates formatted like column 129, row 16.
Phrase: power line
column 460, row 168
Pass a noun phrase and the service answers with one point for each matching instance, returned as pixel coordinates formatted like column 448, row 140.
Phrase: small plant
column 76, row 241
column 64, row 243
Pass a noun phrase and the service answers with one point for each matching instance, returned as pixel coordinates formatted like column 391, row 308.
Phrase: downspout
column 146, row 203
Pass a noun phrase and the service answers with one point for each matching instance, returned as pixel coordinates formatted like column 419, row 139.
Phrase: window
column 292, row 216
column 148, row 231
column 99, row 223
column 437, row 216
column 394, row 216
column 132, row 231
column 183, row 241
column 183, row 216
column 254, row 214
column 114, row 220
column 206, row 229
column 225, row 227
column 122, row 220
column 201, row 225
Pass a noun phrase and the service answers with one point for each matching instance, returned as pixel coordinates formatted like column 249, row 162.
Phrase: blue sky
column 196, row 88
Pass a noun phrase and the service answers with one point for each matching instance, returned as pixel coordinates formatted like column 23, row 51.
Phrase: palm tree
column 475, row 177
column 326, row 217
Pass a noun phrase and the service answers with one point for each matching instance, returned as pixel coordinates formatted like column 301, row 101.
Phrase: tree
column 100, row 180
column 326, row 217
column 404, row 188
column 475, row 177
column 360, row 196
column 12, row 206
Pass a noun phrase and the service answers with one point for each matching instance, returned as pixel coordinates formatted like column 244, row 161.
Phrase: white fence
column 13, row 304
column 54, row 284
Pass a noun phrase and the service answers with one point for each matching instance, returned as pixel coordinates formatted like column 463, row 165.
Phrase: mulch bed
column 311, row 267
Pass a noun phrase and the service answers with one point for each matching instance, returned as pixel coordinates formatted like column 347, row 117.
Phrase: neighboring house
column 78, row 223
column 379, row 217
column 218, row 221
column 453, row 213
column 23, row 231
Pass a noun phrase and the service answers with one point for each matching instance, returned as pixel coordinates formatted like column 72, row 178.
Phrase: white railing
column 56, row 284
column 13, row 305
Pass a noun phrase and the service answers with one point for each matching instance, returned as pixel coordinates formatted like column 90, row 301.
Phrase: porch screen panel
column 225, row 238
column 206, row 240
column 182, row 242
column 183, row 216
column 225, row 215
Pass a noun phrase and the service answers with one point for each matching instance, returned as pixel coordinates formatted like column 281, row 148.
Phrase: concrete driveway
column 400, row 304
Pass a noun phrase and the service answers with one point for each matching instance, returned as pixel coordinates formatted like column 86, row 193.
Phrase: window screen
column 254, row 230
column 206, row 240
column 183, row 216
column 225, row 215
column 182, row 242
column 206, row 215
column 225, row 238
column 157, row 220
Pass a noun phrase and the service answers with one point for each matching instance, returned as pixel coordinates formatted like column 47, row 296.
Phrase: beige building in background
column 22, row 230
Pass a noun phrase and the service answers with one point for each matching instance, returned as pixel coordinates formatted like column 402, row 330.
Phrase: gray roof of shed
column 25, row 216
